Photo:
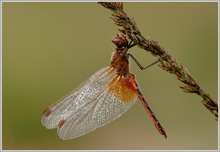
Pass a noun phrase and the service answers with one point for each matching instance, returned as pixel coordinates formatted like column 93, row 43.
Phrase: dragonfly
column 102, row 98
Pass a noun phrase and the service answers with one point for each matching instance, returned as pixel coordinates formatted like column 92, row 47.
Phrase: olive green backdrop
column 50, row 48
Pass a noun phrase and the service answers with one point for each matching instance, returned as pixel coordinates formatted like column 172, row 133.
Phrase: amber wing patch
column 119, row 87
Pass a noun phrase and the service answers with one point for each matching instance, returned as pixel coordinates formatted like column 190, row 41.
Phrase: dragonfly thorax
column 120, row 62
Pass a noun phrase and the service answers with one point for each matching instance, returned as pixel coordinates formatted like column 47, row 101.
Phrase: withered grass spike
column 168, row 63
column 109, row 5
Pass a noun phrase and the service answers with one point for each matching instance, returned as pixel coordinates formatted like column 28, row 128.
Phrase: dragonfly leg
column 140, row 66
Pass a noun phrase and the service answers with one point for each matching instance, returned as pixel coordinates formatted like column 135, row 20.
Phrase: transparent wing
column 78, row 98
column 99, row 112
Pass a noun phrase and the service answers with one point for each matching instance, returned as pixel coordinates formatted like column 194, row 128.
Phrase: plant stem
column 168, row 63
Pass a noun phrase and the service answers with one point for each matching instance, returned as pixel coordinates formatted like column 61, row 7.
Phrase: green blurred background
column 50, row 48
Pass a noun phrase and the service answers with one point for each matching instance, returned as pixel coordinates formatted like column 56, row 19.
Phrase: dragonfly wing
column 77, row 99
column 104, row 109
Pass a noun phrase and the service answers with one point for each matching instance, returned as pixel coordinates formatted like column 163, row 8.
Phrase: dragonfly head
column 120, row 40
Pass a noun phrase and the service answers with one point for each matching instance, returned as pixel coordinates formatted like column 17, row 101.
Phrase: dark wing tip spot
column 47, row 112
column 62, row 122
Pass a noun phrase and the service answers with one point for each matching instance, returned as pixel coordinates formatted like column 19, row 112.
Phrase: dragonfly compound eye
column 120, row 40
